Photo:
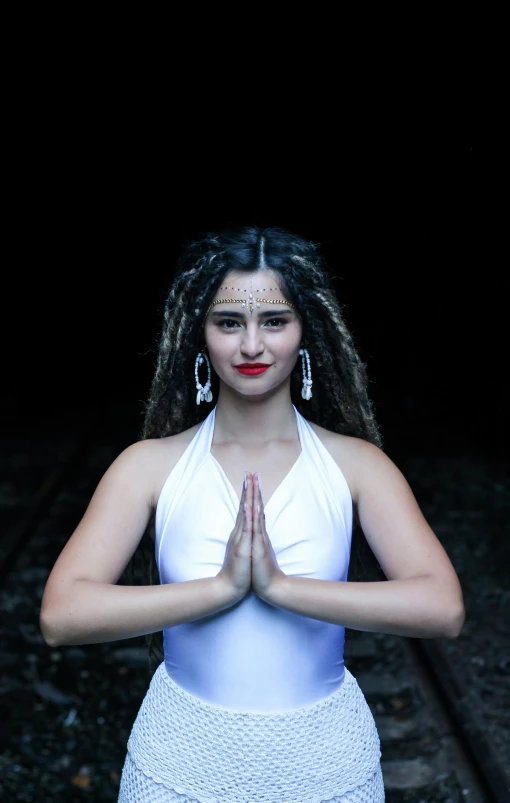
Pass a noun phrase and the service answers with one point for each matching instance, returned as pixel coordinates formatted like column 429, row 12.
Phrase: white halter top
column 255, row 656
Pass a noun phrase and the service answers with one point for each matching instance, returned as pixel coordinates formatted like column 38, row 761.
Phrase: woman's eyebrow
column 265, row 314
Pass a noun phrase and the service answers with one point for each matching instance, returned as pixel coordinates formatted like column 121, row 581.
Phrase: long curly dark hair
column 339, row 402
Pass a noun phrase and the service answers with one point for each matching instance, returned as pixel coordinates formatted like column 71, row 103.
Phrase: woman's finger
column 258, row 512
column 241, row 514
column 249, row 502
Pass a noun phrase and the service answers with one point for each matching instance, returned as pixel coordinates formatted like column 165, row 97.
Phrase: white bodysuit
column 255, row 656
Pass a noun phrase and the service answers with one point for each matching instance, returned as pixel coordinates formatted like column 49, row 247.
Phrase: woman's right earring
column 204, row 391
column 306, row 391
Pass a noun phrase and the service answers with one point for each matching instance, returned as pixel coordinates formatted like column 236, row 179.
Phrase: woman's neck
column 253, row 421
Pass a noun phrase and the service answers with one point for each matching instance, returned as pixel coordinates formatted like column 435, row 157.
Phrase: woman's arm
column 92, row 613
column 421, row 598
column 82, row 603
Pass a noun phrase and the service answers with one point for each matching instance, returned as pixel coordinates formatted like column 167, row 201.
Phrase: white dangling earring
column 204, row 392
column 306, row 391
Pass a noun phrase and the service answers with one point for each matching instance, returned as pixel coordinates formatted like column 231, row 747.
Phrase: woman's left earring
column 204, row 391
column 306, row 391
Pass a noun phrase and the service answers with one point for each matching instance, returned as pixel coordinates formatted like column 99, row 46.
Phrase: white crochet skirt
column 185, row 750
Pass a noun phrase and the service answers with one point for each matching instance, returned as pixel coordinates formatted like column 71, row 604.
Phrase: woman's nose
column 252, row 341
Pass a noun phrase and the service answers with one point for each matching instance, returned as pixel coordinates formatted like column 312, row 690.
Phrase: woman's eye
column 221, row 323
column 281, row 321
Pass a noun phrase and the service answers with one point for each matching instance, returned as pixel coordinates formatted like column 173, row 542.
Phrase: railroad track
column 429, row 753
column 434, row 748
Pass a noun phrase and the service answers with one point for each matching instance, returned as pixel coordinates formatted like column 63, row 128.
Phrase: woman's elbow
column 48, row 631
column 455, row 622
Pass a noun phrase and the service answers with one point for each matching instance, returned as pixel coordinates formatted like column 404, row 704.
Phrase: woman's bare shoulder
column 149, row 462
column 163, row 455
column 347, row 451
column 349, row 444
column 158, row 446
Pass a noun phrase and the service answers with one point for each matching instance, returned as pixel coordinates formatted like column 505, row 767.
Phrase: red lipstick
column 252, row 368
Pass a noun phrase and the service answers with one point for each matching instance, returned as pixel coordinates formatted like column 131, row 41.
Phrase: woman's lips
column 252, row 371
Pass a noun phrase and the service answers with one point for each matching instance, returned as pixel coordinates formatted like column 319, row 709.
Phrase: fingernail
column 258, row 508
column 260, row 486
column 245, row 507
column 245, row 479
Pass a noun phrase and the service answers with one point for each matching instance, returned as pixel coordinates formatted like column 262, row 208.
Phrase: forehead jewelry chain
column 251, row 301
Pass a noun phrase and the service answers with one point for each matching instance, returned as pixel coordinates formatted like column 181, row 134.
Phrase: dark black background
column 397, row 166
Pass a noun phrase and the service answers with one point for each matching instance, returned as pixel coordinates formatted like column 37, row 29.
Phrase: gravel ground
column 66, row 713
column 467, row 503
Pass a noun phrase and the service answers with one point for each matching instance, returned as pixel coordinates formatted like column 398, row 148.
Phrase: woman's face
column 271, row 334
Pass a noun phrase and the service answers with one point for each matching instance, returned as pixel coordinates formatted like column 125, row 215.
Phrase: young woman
column 255, row 478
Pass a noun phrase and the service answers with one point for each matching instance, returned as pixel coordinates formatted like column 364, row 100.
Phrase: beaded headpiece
column 250, row 301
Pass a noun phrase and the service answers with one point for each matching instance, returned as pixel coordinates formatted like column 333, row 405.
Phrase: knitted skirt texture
column 185, row 750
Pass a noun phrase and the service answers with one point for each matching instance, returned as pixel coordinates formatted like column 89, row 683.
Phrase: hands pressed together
column 250, row 561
